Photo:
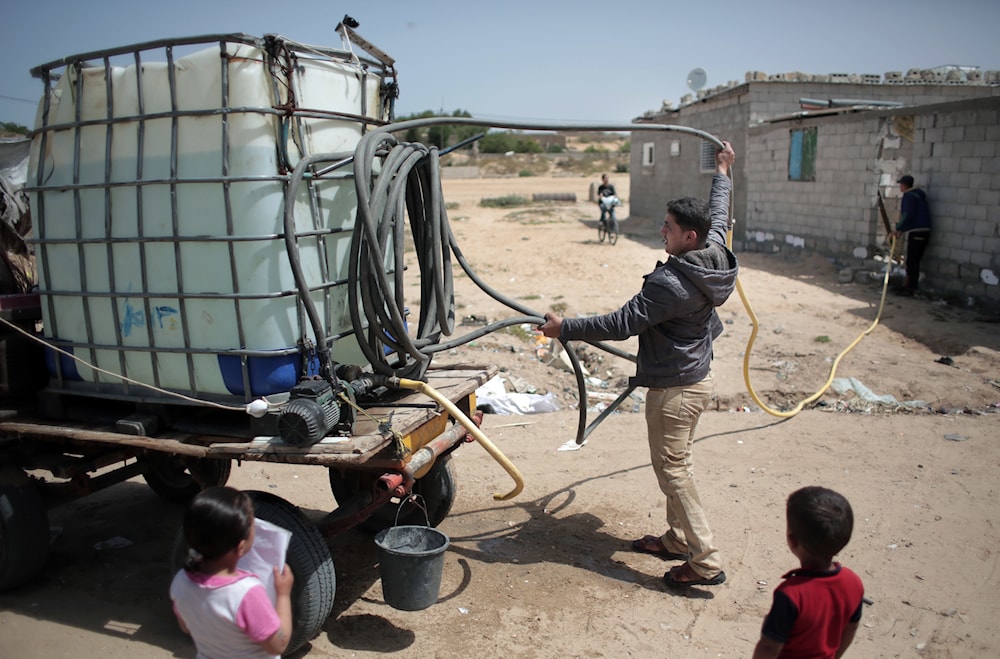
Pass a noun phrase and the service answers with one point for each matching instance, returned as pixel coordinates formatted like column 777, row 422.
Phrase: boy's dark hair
column 821, row 520
column 215, row 522
column 692, row 214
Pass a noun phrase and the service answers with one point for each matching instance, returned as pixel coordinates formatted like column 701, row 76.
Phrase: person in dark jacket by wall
column 915, row 222
column 674, row 315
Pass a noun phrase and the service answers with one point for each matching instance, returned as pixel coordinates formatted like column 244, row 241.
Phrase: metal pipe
column 432, row 450
column 424, row 388
column 604, row 414
column 392, row 483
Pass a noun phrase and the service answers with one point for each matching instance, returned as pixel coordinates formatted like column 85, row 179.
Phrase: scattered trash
column 843, row 385
column 597, row 408
column 116, row 542
column 955, row 410
column 784, row 368
column 520, row 385
column 947, row 361
column 560, row 359
column 956, row 438
column 473, row 319
column 571, row 445
column 494, row 399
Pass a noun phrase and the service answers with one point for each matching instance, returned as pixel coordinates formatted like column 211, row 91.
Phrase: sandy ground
column 550, row 572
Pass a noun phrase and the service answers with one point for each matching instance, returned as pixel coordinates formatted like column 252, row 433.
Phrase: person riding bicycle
column 607, row 199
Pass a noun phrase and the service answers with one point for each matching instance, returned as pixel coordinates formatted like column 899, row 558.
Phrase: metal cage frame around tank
column 282, row 57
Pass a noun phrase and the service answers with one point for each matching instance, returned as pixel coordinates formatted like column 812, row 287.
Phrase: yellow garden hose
column 427, row 390
column 833, row 369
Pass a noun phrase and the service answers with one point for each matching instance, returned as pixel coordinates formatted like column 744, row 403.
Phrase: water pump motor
column 310, row 414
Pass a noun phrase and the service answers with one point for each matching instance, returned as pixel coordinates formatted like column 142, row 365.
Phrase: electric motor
column 310, row 414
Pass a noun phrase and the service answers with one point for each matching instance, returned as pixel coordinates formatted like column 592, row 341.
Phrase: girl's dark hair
column 821, row 520
column 216, row 521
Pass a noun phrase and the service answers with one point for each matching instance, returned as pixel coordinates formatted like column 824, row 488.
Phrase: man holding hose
column 674, row 315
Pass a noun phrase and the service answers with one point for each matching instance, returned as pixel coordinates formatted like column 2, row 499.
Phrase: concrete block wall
column 671, row 177
column 729, row 114
column 958, row 166
column 950, row 149
column 832, row 214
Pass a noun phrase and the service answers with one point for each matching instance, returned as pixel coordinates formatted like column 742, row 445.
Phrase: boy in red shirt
column 816, row 610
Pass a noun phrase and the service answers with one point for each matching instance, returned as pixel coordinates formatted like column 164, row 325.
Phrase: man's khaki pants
column 671, row 417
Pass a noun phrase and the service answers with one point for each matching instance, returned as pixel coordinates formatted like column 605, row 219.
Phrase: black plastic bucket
column 411, row 562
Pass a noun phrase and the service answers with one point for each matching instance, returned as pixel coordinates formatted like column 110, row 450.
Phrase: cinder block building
column 811, row 178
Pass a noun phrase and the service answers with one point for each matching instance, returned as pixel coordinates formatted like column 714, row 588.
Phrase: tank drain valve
column 311, row 413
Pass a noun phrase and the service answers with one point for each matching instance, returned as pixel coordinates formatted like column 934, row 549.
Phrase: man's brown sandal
column 683, row 576
column 650, row 544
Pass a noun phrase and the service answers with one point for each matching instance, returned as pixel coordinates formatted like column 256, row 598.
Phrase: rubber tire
column 602, row 231
column 613, row 236
column 438, row 489
column 309, row 558
column 171, row 478
column 24, row 530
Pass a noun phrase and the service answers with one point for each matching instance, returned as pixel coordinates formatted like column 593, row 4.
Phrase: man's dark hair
column 906, row 180
column 821, row 520
column 692, row 215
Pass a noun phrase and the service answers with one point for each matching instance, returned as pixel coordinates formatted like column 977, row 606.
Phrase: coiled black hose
column 394, row 179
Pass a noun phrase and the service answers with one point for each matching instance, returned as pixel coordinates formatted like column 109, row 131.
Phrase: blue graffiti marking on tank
column 167, row 313
column 131, row 317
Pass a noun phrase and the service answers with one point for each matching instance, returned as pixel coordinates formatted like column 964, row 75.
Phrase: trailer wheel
column 24, row 530
column 438, row 488
column 309, row 558
column 176, row 478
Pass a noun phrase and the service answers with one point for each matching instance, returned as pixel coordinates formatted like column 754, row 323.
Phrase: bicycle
column 604, row 228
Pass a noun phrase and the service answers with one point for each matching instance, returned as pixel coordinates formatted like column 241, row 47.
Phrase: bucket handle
column 417, row 501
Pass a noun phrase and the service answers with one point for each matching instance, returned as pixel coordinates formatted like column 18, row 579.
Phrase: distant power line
column 20, row 100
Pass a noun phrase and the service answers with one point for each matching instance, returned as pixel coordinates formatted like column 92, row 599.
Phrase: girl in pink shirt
column 226, row 610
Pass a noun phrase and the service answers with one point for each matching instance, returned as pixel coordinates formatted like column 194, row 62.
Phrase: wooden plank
column 884, row 214
column 455, row 382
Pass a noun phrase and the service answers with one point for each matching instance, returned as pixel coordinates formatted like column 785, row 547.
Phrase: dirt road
column 550, row 573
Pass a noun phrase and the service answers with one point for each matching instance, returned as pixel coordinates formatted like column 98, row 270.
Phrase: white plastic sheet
column 843, row 385
column 495, row 395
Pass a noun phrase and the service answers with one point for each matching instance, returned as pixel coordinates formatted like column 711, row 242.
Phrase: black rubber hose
column 408, row 182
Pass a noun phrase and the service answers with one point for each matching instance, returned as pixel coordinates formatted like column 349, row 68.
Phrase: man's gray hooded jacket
column 674, row 314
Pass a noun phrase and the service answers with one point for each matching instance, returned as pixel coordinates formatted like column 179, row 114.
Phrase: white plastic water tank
column 158, row 192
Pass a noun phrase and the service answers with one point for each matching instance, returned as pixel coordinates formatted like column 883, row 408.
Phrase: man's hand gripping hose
column 427, row 390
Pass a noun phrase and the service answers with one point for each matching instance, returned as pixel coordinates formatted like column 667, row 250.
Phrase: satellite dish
column 697, row 79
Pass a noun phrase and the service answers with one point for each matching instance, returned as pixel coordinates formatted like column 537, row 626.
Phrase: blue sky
column 544, row 60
